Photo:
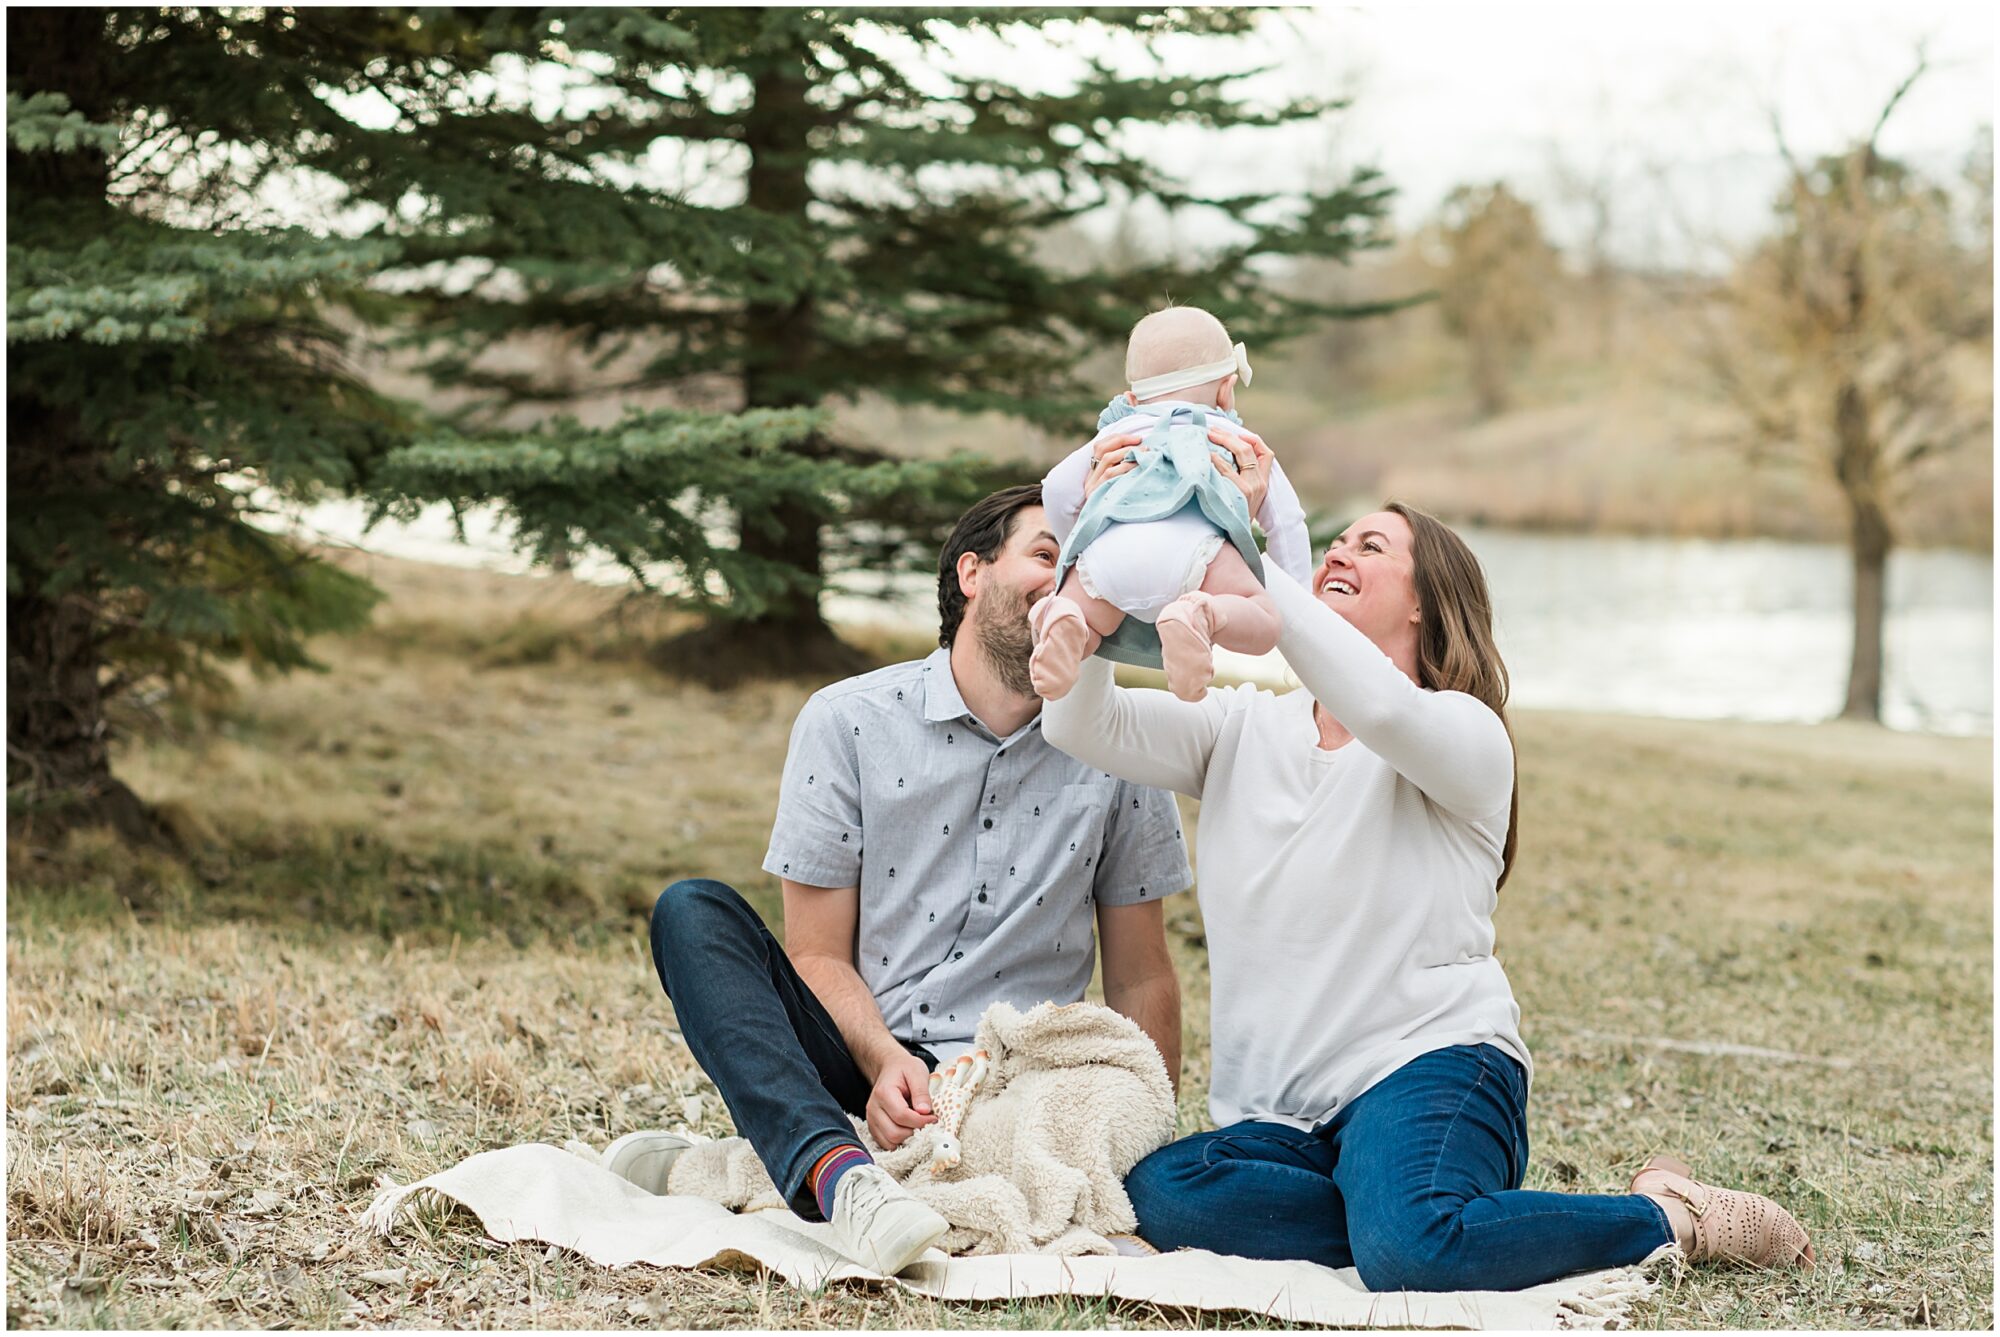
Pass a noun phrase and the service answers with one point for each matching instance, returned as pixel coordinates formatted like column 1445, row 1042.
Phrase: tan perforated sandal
column 1730, row 1226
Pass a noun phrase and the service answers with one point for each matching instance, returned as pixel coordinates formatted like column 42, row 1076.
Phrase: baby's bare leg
column 1243, row 617
column 1103, row 616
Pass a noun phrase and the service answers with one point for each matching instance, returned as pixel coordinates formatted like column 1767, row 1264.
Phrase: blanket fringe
column 1606, row 1301
column 389, row 1203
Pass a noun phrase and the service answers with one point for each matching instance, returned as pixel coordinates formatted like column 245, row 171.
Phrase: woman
column 1369, row 1079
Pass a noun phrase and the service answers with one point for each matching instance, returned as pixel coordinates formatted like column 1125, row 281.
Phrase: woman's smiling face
column 1368, row 576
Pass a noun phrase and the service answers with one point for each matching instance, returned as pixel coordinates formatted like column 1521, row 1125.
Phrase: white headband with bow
column 1238, row 361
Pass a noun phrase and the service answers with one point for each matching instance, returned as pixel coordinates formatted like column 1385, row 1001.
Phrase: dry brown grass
column 197, row 1106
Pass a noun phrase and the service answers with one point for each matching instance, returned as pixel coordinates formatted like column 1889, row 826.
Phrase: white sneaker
column 645, row 1158
column 878, row 1224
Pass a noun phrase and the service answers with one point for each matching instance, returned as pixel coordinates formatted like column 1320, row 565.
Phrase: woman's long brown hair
column 1455, row 649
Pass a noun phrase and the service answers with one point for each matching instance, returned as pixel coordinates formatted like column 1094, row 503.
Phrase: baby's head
column 1175, row 339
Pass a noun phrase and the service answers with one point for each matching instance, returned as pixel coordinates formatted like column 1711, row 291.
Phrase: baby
column 1159, row 564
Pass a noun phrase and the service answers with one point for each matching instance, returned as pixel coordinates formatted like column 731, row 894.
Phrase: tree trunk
column 1869, row 537
column 1489, row 375
column 58, row 739
column 791, row 637
column 58, row 755
column 1604, row 308
column 1871, row 542
column 782, row 333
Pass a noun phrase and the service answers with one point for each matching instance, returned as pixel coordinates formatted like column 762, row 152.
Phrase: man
column 936, row 855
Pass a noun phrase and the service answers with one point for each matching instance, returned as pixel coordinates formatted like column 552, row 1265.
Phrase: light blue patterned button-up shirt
column 981, row 860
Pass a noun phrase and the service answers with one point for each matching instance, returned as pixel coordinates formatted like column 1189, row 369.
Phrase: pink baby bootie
column 1062, row 639
column 1187, row 632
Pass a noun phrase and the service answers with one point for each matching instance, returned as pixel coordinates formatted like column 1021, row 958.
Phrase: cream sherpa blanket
column 1073, row 1098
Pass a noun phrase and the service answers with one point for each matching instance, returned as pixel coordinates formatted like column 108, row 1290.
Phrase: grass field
column 414, row 932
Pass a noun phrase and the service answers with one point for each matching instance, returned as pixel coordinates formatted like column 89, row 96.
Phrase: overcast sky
column 1446, row 93
column 1631, row 95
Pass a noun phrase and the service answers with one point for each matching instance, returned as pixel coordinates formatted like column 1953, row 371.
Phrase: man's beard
column 1000, row 625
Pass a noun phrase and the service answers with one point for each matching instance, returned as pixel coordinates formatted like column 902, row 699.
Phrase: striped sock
column 828, row 1169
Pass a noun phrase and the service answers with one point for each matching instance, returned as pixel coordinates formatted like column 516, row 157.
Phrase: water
column 1690, row 628
column 1757, row 630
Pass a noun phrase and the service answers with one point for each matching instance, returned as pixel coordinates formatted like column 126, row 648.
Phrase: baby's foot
column 1062, row 640
column 1186, row 628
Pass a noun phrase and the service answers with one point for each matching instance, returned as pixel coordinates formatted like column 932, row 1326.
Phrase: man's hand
column 1253, row 463
column 900, row 1104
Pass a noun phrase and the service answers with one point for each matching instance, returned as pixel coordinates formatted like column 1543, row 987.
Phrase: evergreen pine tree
column 168, row 345
column 168, row 342
column 868, row 223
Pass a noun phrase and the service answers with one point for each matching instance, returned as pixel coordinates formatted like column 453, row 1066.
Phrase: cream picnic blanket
column 1073, row 1098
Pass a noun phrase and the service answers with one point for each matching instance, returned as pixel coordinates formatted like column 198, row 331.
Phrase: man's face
column 997, row 608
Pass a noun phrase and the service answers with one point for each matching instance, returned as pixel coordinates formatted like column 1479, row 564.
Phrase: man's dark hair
column 983, row 531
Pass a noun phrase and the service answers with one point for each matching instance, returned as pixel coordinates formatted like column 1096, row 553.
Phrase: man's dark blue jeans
column 1416, row 1185
column 758, row 1032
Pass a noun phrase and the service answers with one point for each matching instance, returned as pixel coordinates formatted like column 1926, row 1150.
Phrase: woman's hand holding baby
column 1253, row 463
column 1104, row 466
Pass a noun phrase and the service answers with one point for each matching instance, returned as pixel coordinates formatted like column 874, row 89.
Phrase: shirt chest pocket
column 1062, row 829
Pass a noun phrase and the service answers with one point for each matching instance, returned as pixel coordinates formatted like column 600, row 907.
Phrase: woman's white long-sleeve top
column 1347, row 895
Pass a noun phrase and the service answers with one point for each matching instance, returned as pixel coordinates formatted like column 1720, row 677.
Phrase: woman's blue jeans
column 1416, row 1185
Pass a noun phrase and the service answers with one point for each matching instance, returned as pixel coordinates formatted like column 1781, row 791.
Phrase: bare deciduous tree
column 1856, row 341
column 1495, row 274
column 1591, row 187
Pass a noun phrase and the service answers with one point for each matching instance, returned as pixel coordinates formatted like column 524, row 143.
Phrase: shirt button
column 957, row 955
column 989, row 823
column 982, row 898
column 924, row 1008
